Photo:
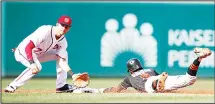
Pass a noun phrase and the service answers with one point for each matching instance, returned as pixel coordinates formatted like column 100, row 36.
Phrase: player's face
column 131, row 72
column 62, row 29
column 65, row 28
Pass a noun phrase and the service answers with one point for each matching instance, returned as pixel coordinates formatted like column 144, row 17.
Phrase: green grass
column 48, row 84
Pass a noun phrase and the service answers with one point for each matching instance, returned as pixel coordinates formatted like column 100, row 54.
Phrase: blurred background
column 105, row 35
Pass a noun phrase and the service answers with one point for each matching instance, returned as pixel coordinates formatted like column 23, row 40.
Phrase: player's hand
column 34, row 68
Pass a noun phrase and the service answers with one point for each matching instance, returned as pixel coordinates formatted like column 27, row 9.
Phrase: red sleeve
column 28, row 51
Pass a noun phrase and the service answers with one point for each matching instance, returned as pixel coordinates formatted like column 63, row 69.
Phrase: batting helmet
column 133, row 65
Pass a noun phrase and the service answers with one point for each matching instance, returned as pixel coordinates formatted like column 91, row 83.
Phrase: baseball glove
column 81, row 80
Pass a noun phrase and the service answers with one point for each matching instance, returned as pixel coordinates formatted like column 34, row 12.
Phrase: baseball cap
column 66, row 20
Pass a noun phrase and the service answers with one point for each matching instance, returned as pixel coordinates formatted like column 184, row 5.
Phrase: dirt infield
column 194, row 91
column 183, row 91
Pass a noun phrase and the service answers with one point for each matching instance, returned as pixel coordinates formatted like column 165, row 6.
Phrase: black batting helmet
column 133, row 65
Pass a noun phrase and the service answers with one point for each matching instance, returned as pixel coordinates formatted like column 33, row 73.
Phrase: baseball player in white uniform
column 149, row 81
column 46, row 43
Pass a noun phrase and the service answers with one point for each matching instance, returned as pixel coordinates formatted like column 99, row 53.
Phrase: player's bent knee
column 148, row 86
column 192, row 81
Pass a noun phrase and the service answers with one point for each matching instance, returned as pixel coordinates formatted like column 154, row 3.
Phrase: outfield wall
column 105, row 35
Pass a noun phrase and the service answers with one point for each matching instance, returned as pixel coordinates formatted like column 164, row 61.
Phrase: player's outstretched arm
column 64, row 65
column 80, row 80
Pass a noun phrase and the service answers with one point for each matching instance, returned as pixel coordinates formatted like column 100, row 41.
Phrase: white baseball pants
column 172, row 82
column 27, row 73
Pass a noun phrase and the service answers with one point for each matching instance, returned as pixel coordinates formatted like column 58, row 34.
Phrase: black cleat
column 67, row 88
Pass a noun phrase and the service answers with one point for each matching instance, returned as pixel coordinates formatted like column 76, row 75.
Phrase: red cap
column 66, row 20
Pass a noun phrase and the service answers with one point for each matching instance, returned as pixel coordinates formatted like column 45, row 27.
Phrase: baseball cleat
column 10, row 89
column 67, row 88
column 202, row 52
column 161, row 82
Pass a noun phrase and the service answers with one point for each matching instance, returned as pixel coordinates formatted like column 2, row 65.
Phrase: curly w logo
column 128, row 39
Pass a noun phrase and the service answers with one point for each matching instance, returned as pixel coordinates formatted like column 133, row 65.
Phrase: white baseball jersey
column 42, row 46
column 45, row 48
column 44, row 41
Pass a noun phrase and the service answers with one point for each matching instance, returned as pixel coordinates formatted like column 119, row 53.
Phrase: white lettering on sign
column 184, row 58
column 197, row 37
